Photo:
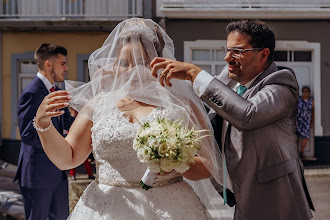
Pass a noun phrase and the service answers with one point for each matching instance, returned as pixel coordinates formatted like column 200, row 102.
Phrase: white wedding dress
column 116, row 193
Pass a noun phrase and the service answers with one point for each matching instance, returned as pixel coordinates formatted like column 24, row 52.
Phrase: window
column 293, row 56
column 82, row 67
column 206, row 54
column 26, row 72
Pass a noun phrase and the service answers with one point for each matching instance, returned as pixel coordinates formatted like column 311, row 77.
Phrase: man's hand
column 50, row 106
column 173, row 69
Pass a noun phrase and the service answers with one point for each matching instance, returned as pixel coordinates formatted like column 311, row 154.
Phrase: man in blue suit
column 44, row 187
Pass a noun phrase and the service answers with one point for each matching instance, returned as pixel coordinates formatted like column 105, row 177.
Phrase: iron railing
column 246, row 3
column 75, row 9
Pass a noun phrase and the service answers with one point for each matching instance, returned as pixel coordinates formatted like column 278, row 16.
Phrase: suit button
column 236, row 184
column 219, row 103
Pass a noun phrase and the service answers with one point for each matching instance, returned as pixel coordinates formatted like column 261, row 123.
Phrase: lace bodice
column 112, row 137
column 116, row 193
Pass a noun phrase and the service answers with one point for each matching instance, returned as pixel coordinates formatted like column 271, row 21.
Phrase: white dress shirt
column 46, row 82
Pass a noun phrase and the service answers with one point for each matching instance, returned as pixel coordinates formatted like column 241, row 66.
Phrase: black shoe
column 91, row 177
column 302, row 156
column 73, row 177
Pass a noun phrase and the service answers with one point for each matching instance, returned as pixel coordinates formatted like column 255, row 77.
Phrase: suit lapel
column 272, row 68
column 41, row 85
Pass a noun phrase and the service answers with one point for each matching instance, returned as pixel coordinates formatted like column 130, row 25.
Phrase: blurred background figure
column 305, row 119
column 87, row 165
column 88, row 170
column 44, row 186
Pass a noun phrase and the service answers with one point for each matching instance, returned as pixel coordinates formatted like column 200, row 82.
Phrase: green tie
column 241, row 89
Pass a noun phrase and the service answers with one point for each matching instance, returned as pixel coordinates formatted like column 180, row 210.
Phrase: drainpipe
column 1, row 88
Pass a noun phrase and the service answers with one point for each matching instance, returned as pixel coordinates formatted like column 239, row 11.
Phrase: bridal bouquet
column 165, row 145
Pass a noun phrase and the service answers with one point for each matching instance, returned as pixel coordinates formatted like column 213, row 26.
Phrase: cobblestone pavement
column 11, row 205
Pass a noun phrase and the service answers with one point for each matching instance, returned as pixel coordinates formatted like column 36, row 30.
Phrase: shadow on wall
column 9, row 151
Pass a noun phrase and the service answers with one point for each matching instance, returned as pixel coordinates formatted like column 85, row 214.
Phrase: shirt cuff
column 201, row 81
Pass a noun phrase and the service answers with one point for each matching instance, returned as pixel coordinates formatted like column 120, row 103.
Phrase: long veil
column 121, row 69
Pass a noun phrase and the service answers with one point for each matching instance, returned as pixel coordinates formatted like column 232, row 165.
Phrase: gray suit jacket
column 260, row 147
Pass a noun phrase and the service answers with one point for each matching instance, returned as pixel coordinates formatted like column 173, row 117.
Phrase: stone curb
column 8, row 171
column 317, row 172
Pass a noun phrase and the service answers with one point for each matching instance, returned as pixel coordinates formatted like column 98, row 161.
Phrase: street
column 319, row 188
column 318, row 182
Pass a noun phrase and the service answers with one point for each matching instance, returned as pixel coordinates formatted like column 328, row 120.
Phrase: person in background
column 305, row 119
column 44, row 187
column 88, row 169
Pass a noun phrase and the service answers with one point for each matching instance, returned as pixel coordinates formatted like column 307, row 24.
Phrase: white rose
column 154, row 166
column 153, row 141
column 166, row 165
column 190, row 151
column 183, row 167
column 135, row 144
column 140, row 154
column 144, row 154
column 163, row 149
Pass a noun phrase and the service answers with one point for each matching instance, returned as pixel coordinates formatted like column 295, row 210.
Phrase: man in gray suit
column 257, row 102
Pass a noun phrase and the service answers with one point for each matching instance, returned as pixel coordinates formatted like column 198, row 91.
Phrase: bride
column 121, row 95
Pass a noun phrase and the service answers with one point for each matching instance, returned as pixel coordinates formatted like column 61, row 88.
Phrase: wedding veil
column 121, row 68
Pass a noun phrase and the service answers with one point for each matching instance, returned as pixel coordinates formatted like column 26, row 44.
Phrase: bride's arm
column 67, row 152
column 197, row 171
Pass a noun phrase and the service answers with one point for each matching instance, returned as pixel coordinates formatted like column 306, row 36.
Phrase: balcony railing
column 73, row 9
column 237, row 9
column 247, row 3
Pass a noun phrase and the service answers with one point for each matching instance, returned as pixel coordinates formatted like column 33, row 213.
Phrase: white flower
column 163, row 149
column 189, row 151
column 166, row 145
column 143, row 154
column 167, row 165
column 183, row 167
column 154, row 166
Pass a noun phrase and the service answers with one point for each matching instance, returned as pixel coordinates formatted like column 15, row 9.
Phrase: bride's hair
column 138, row 31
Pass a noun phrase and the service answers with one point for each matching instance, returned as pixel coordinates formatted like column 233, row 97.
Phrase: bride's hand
column 50, row 107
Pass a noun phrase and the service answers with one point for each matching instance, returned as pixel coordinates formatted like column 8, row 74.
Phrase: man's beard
column 234, row 74
column 54, row 76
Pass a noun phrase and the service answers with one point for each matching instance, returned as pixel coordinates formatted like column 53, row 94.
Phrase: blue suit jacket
column 35, row 170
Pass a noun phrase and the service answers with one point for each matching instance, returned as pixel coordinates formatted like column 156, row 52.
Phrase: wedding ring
column 163, row 74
